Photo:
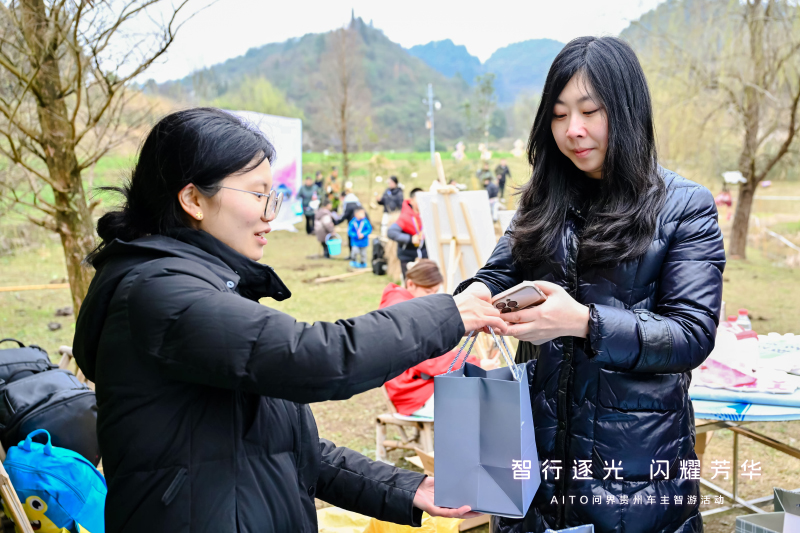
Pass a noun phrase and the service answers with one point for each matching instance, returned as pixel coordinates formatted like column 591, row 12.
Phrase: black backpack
column 21, row 362
column 39, row 395
column 379, row 266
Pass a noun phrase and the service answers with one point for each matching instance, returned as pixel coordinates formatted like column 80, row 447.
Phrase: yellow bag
column 335, row 520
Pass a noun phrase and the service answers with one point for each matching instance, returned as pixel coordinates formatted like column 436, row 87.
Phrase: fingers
column 521, row 317
column 461, row 512
column 480, row 290
column 497, row 324
column 516, row 330
column 548, row 288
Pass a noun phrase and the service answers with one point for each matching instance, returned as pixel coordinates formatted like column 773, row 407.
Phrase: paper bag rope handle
column 501, row 345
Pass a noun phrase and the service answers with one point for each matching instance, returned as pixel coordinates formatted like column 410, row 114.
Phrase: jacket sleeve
column 680, row 334
column 200, row 333
column 398, row 235
column 356, row 483
column 500, row 272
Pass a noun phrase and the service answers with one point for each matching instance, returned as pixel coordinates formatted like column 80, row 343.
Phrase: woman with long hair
column 630, row 256
column 203, row 392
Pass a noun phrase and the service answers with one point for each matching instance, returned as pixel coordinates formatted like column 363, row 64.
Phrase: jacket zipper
column 36, row 471
column 174, row 487
column 569, row 352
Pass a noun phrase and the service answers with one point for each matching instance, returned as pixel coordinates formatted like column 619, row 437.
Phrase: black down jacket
column 202, row 391
column 622, row 395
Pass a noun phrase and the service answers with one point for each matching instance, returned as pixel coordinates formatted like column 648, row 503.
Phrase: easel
column 449, row 194
column 13, row 505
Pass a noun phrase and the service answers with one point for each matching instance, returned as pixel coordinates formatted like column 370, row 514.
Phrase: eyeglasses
column 274, row 201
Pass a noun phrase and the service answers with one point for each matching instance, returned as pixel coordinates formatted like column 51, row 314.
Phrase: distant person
column 309, row 195
column 407, row 233
column 392, row 201
column 319, row 180
column 484, row 172
column 725, row 199
column 492, row 190
column 502, row 173
column 324, row 222
column 359, row 231
column 333, row 189
column 349, row 203
column 411, row 392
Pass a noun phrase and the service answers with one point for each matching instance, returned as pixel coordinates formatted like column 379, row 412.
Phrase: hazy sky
column 230, row 27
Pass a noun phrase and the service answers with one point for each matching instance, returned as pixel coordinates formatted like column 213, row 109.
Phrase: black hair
column 394, row 179
column 201, row 146
column 414, row 191
column 622, row 219
column 318, row 173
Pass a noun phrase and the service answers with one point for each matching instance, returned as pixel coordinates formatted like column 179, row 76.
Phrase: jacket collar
column 255, row 280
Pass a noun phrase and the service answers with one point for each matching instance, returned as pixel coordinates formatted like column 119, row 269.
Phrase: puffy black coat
column 202, row 391
column 406, row 251
column 392, row 200
column 622, row 394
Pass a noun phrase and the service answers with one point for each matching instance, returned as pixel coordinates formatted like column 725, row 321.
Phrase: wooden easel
column 13, row 504
column 449, row 195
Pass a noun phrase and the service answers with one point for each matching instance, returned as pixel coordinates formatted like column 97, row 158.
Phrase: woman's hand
column 423, row 499
column 559, row 316
column 478, row 313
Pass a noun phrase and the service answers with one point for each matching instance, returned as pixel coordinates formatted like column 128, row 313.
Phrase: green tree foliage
column 257, row 94
column 498, row 126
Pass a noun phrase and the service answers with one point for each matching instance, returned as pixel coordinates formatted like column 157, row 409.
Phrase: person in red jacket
column 412, row 391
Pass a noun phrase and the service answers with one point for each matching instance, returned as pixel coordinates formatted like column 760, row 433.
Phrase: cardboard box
column 785, row 519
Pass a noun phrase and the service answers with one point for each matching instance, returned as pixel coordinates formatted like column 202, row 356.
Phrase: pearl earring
column 199, row 216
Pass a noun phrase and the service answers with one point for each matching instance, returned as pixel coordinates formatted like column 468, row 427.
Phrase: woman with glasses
column 203, row 392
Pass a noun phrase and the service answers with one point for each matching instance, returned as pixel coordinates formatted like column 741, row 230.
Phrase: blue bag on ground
column 485, row 445
column 57, row 487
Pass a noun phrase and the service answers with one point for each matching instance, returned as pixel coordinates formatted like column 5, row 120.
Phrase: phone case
column 520, row 297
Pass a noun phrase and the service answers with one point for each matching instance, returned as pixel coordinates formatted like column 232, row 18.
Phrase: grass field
column 764, row 285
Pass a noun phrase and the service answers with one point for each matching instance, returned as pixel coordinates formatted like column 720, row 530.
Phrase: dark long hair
column 201, row 146
column 621, row 222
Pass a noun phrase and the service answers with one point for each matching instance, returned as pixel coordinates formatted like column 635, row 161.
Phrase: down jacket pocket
column 639, row 415
column 642, row 392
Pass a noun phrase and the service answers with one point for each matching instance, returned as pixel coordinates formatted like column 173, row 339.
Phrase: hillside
column 520, row 68
column 449, row 59
column 395, row 82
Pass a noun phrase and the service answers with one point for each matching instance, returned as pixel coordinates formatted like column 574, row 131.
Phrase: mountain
column 448, row 58
column 393, row 82
column 521, row 67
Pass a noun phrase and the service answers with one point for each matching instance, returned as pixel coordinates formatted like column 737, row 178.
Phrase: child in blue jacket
column 359, row 231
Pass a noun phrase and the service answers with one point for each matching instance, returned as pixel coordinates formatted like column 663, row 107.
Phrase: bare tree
column 742, row 61
column 66, row 68
column 346, row 89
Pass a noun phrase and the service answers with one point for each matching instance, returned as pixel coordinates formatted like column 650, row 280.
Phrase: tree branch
column 791, row 130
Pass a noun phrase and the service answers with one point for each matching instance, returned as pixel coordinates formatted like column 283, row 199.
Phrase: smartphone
column 521, row 296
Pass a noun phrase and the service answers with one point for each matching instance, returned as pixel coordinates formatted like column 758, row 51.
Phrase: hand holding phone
column 522, row 296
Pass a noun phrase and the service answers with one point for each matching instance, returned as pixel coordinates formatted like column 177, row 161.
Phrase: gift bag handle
column 501, row 345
